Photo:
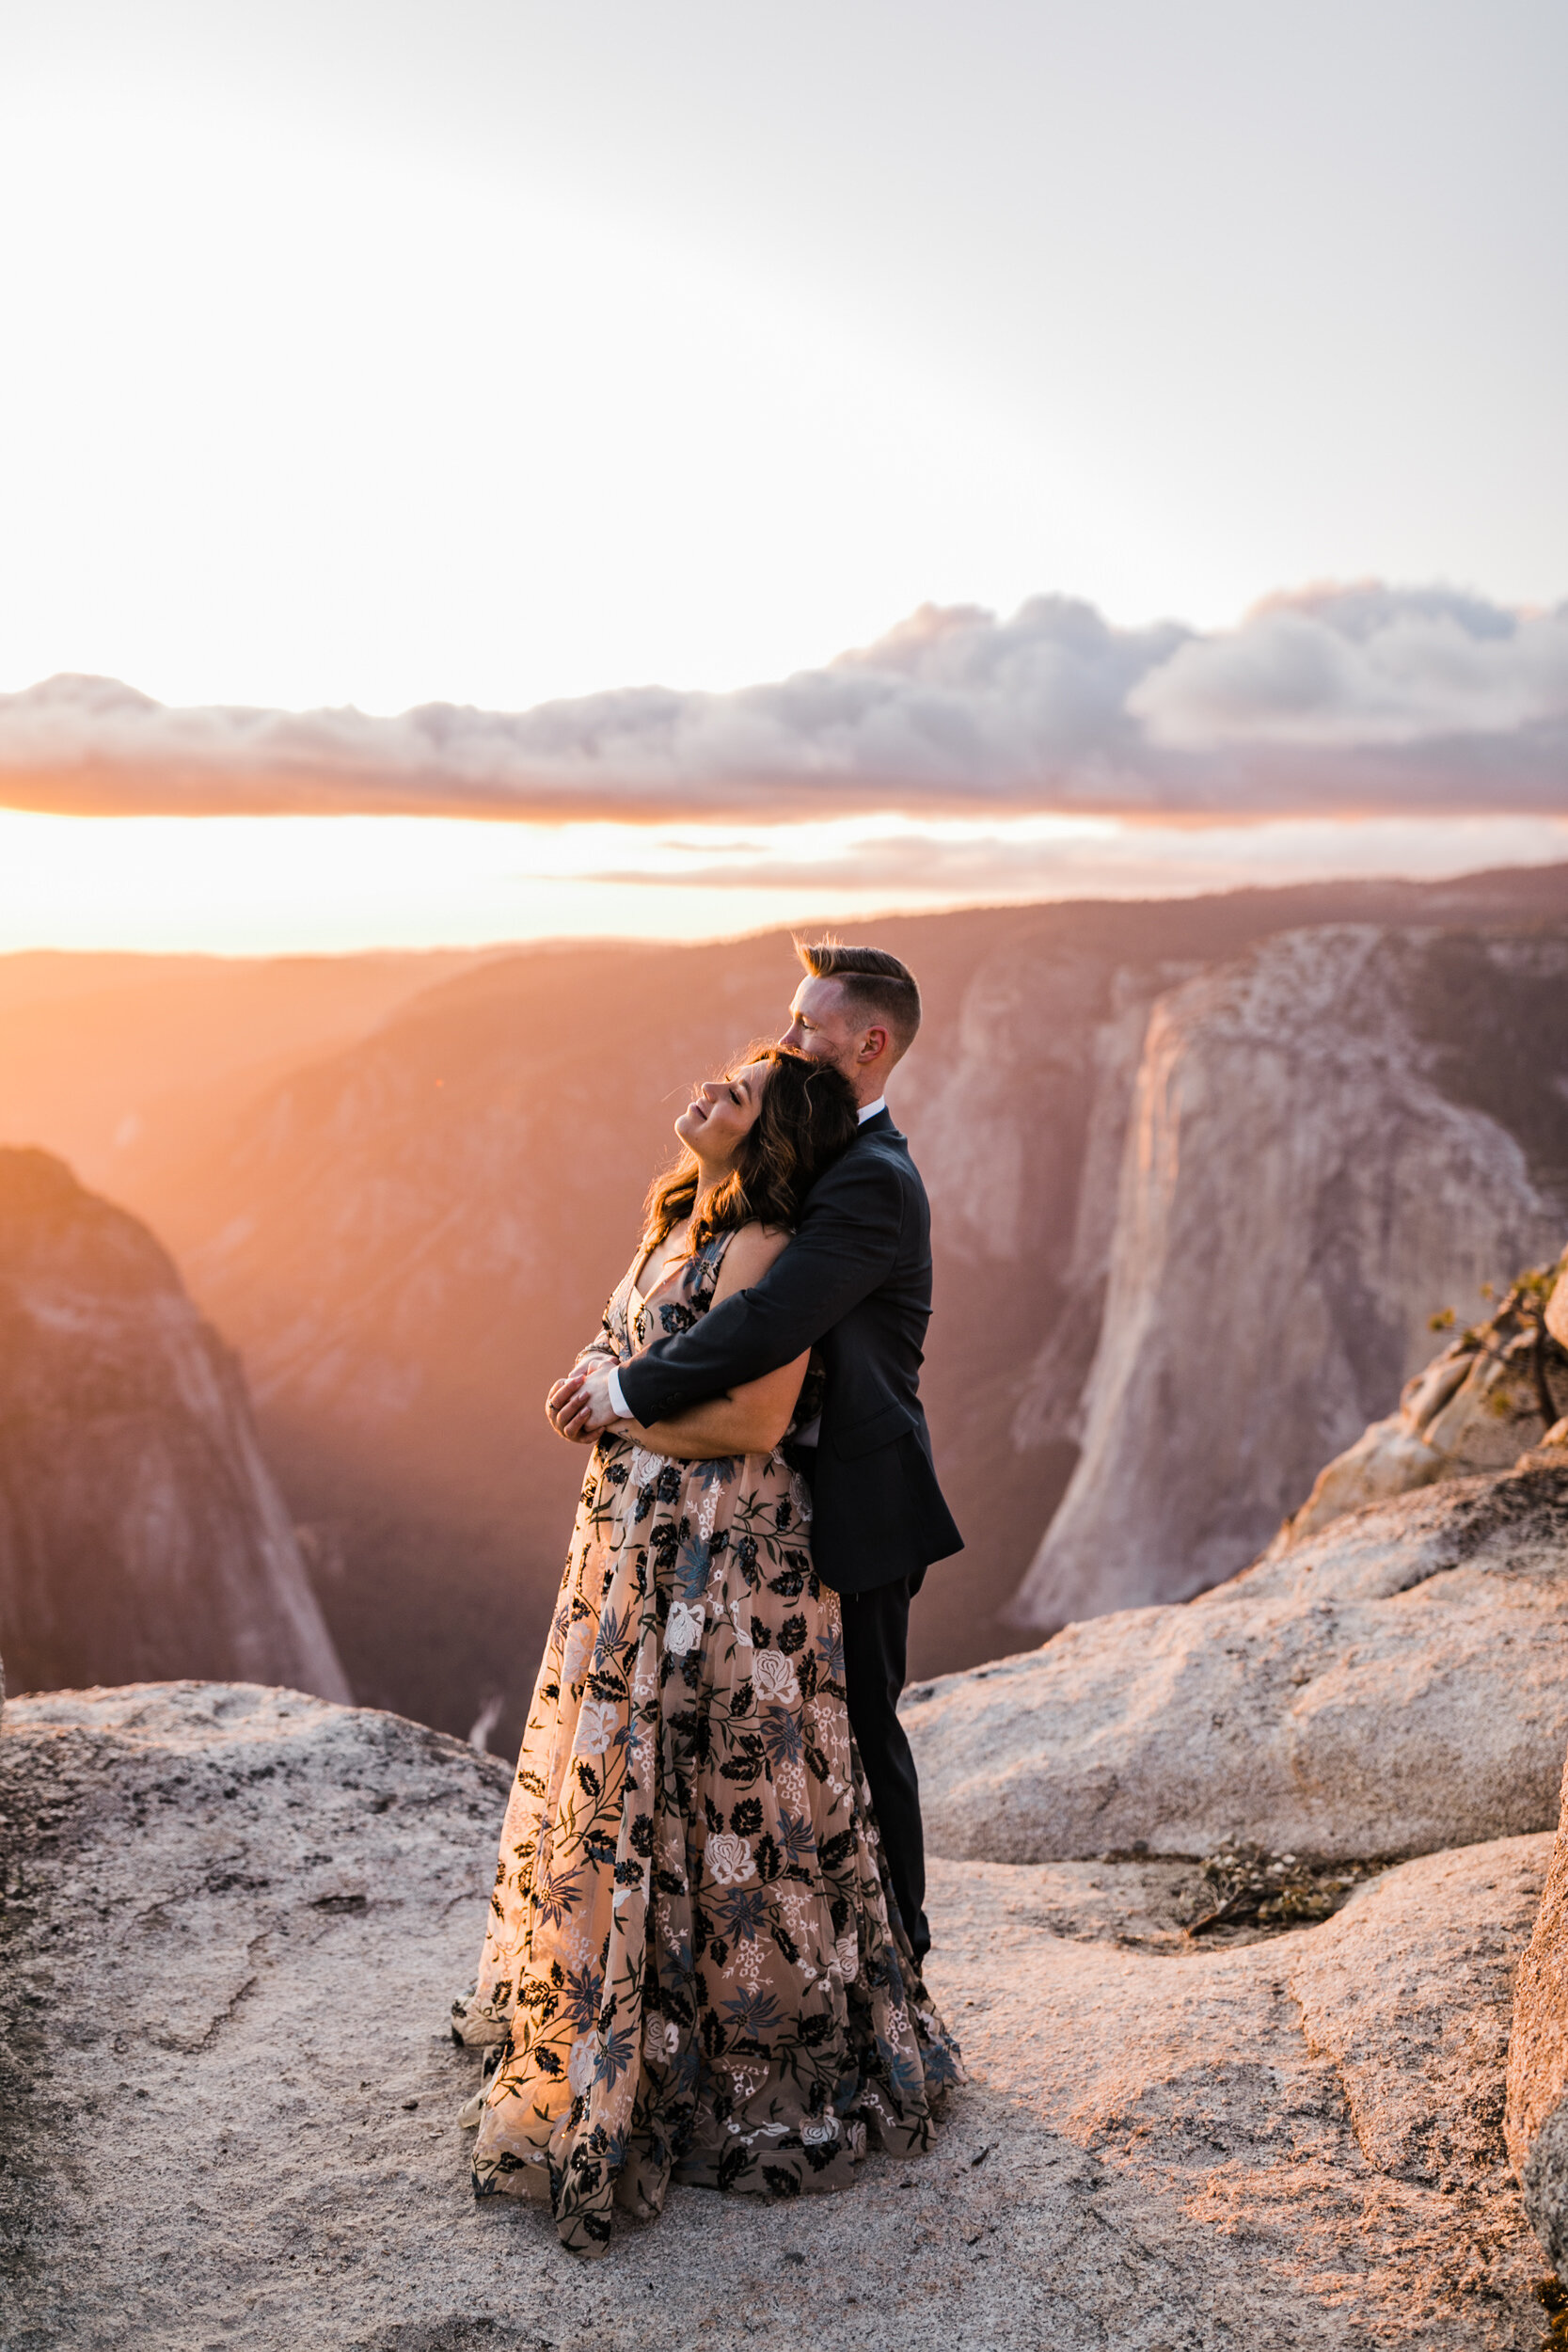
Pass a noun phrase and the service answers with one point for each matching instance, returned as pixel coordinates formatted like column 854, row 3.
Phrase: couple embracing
column 702, row 1959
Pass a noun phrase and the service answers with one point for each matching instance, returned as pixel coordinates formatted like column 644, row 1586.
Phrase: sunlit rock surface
column 235, row 1918
column 1398, row 1685
column 1537, row 2116
column 1495, row 1389
column 1557, row 1309
column 140, row 1530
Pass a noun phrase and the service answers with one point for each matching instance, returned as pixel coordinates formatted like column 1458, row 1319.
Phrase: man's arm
column 751, row 1420
column 847, row 1245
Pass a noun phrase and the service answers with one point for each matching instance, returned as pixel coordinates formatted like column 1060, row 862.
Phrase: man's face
column 820, row 1025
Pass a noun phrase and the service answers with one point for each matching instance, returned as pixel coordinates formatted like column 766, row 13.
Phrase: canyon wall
column 1307, row 1176
column 140, row 1530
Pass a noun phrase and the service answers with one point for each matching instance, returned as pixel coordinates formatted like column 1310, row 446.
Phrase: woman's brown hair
column 806, row 1117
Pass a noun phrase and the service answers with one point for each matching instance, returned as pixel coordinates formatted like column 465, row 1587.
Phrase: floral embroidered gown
column 688, row 1970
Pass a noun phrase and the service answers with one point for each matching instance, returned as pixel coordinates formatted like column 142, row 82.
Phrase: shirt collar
column 871, row 1109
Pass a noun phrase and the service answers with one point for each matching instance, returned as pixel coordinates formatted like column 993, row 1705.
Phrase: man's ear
column 874, row 1044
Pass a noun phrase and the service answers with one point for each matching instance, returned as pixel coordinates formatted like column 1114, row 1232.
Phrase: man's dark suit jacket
column 856, row 1282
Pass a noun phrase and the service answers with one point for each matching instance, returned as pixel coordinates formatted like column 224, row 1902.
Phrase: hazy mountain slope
column 410, row 1238
column 119, row 1061
column 1309, row 1174
column 140, row 1531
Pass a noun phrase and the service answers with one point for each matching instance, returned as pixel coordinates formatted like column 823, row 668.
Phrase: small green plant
column 1521, row 1311
column 1243, row 1885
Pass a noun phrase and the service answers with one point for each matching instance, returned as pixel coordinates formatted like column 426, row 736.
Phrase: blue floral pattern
column 689, row 1971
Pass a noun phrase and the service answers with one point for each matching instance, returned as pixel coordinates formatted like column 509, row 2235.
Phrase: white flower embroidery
column 730, row 1860
column 643, row 1467
column 773, row 1677
column 685, row 1628
column 661, row 2038
column 578, row 1643
column 596, row 1726
column 848, row 1958
column 740, row 1610
column 817, row 2134
column 583, row 2059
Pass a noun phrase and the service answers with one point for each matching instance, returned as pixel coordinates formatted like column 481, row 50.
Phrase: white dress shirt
column 808, row 1435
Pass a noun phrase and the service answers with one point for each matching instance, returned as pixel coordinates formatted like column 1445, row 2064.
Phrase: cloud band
column 1349, row 699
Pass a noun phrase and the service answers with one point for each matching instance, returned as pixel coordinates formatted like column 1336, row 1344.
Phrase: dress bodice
column 633, row 1320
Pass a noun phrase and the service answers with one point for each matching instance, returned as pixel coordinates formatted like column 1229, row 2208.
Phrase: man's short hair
column 875, row 985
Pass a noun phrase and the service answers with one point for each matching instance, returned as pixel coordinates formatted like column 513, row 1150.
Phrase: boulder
column 1408, row 1990
column 1328, row 2099
column 237, row 1916
column 1471, row 1409
column 1396, row 1685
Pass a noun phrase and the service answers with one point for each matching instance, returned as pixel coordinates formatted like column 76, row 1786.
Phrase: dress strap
column 707, row 1262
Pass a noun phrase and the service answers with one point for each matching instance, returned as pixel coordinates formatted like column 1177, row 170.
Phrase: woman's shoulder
column 748, row 1252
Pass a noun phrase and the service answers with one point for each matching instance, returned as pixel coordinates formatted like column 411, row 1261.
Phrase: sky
column 360, row 357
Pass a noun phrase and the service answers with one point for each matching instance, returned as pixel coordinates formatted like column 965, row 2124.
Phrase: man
column 856, row 1282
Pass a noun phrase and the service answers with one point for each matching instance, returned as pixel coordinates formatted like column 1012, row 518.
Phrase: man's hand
column 579, row 1407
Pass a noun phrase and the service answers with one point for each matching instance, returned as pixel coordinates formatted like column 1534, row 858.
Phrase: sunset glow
column 278, row 885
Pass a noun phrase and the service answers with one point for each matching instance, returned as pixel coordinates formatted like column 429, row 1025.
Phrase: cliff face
column 140, row 1530
column 1314, row 1165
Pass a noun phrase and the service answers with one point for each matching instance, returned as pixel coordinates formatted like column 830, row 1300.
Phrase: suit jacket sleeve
column 847, row 1245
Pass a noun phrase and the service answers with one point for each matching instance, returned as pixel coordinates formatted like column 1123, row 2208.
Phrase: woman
column 689, row 1969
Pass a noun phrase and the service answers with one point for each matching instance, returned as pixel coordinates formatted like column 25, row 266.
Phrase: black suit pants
column 876, row 1637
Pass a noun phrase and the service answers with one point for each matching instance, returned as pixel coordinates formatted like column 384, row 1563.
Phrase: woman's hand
column 563, row 1410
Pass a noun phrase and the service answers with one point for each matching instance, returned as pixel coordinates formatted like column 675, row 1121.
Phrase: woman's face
column 722, row 1113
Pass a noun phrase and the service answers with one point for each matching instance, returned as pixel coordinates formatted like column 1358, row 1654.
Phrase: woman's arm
column 750, row 1419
